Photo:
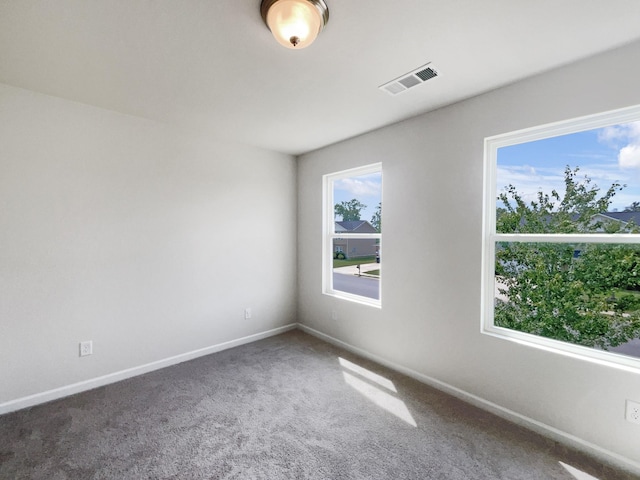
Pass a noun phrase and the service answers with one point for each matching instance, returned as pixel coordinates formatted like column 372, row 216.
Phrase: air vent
column 410, row 80
column 426, row 74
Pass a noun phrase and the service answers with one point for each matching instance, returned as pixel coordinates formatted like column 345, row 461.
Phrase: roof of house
column 625, row 217
column 353, row 225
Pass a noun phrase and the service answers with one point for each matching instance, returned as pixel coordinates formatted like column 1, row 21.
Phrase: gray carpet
column 282, row 408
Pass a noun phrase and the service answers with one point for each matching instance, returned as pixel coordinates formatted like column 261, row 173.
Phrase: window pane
column 584, row 182
column 585, row 294
column 356, row 266
column 355, row 225
column 358, row 204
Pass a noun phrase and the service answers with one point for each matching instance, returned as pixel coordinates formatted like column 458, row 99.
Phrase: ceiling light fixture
column 295, row 23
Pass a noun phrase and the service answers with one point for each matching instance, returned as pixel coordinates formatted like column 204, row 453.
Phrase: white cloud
column 622, row 166
column 527, row 178
column 359, row 186
column 529, row 181
column 622, row 132
column 610, row 135
column 626, row 138
column 629, row 156
column 588, row 156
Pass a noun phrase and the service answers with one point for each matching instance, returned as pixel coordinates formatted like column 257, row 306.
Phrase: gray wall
column 142, row 239
column 138, row 237
column 433, row 195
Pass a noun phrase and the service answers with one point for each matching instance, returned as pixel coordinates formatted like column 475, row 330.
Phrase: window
column 561, row 254
column 352, row 234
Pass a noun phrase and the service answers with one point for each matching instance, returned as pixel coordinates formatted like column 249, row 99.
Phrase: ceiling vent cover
column 410, row 80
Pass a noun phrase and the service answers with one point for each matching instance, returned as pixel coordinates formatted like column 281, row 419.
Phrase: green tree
column 634, row 207
column 376, row 219
column 560, row 290
column 349, row 210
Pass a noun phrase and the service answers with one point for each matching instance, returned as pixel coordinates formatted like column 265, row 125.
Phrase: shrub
column 627, row 303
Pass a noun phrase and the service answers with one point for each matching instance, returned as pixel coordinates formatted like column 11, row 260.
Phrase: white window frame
column 490, row 237
column 329, row 234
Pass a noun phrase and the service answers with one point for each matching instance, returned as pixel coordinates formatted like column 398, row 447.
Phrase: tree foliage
column 376, row 219
column 572, row 212
column 349, row 210
column 634, row 207
column 570, row 292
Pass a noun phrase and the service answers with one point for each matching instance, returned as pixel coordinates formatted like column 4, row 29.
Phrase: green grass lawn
column 373, row 272
column 627, row 301
column 355, row 261
column 619, row 291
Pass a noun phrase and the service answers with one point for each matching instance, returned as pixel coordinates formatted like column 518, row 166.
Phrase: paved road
column 363, row 286
column 631, row 348
column 353, row 269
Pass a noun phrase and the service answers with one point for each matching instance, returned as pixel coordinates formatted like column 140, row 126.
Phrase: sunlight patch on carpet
column 380, row 398
column 579, row 474
column 368, row 374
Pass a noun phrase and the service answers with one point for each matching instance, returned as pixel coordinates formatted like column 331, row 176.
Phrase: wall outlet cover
column 86, row 348
column 632, row 413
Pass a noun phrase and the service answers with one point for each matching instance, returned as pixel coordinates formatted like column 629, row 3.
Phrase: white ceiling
column 212, row 65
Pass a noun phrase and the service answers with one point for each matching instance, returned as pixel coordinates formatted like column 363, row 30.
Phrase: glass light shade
column 294, row 23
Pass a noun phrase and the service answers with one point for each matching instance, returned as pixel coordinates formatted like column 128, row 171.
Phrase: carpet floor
column 287, row 407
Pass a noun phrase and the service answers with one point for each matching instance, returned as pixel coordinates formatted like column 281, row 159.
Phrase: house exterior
column 630, row 219
column 355, row 247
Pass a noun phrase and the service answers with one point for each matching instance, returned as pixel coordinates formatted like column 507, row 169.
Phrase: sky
column 365, row 188
column 606, row 155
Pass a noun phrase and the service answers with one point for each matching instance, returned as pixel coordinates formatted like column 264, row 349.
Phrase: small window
column 353, row 234
column 562, row 236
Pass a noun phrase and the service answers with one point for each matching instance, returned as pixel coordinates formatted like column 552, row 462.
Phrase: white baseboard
column 524, row 421
column 67, row 390
column 531, row 424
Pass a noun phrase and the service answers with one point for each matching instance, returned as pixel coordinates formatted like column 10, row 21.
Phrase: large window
column 352, row 246
column 561, row 256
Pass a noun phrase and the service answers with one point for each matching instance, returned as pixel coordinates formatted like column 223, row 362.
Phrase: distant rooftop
column 350, row 225
column 625, row 217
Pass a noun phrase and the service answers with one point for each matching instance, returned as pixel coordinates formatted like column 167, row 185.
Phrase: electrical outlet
column 334, row 315
column 86, row 348
column 247, row 313
column 633, row 412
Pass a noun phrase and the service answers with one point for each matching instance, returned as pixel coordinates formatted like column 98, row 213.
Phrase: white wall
column 128, row 233
column 431, row 251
